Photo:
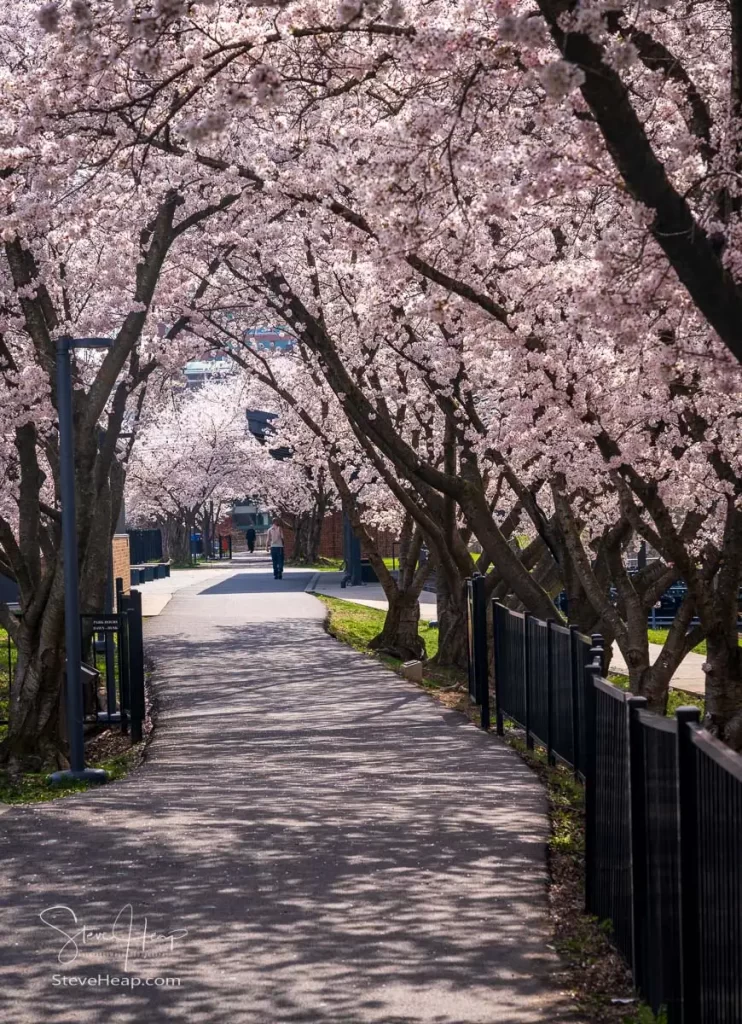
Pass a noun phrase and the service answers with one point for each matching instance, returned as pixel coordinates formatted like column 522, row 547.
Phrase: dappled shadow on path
column 337, row 847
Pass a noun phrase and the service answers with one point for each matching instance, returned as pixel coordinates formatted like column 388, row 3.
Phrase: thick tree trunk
column 724, row 686
column 37, row 735
column 37, row 731
column 453, row 651
column 307, row 529
column 176, row 540
column 300, row 525
column 314, row 534
column 400, row 637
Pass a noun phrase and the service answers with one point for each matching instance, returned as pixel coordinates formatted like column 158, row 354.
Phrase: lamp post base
column 86, row 775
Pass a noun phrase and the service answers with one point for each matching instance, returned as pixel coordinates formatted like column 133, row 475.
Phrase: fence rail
column 663, row 809
column 116, row 658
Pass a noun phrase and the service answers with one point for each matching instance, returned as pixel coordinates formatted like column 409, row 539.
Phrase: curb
column 312, row 583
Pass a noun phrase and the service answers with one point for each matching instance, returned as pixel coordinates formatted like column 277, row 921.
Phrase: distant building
column 219, row 365
column 215, row 367
column 269, row 339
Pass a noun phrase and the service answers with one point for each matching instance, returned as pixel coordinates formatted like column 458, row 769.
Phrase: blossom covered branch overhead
column 506, row 241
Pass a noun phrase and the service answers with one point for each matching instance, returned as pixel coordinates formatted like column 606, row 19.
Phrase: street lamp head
column 67, row 343
column 88, row 342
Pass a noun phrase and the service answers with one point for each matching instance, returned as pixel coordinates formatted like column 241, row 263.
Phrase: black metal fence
column 663, row 810
column 114, row 646
column 477, row 647
column 8, row 657
column 115, row 643
column 540, row 682
column 145, row 546
column 221, row 547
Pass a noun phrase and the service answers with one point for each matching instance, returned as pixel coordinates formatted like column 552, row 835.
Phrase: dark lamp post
column 73, row 651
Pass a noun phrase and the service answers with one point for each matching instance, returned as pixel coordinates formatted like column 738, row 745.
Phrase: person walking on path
column 250, row 538
column 275, row 545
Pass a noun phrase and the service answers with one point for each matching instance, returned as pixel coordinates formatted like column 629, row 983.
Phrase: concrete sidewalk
column 689, row 675
column 312, row 840
column 369, row 594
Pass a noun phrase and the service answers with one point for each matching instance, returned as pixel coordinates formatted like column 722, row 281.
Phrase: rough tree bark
column 401, row 633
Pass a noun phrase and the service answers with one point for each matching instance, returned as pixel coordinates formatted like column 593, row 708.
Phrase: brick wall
column 121, row 561
column 331, row 536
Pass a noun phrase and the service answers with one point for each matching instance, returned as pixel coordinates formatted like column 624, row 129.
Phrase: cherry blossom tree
column 488, row 221
column 312, row 426
column 89, row 249
column 195, row 454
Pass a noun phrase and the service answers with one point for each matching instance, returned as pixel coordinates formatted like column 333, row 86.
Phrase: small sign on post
column 106, row 623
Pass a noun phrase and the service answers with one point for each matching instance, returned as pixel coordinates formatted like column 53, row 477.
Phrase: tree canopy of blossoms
column 506, row 237
column 194, row 455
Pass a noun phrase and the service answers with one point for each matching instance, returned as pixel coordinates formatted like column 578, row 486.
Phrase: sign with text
column 105, row 623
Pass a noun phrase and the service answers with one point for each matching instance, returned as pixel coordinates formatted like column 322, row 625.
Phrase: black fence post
column 470, row 644
column 592, row 672
column 496, row 644
column 688, row 719
column 638, row 828
column 230, row 547
column 597, row 648
column 575, row 677
column 481, row 667
column 122, row 607
column 136, row 664
column 526, row 679
column 550, row 759
column 110, row 650
column 124, row 663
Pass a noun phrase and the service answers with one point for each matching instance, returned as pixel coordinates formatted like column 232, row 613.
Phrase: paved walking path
column 312, row 840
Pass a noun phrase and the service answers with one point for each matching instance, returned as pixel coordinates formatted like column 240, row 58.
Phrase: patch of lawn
column 681, row 698
column 675, row 698
column 356, row 625
column 323, row 565
column 658, row 636
column 619, row 680
column 32, row 787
